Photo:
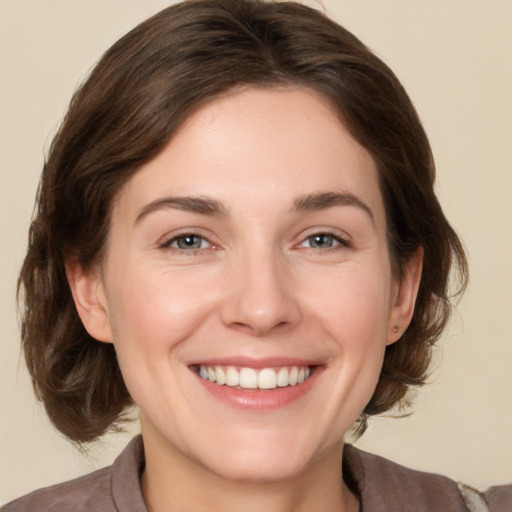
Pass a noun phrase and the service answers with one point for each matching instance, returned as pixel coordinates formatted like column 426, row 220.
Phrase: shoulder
column 107, row 490
column 89, row 492
column 500, row 498
column 386, row 486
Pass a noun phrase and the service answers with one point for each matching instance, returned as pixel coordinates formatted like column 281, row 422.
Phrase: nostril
column 259, row 328
column 240, row 326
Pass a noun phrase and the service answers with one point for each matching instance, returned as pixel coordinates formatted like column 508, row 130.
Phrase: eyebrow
column 212, row 207
column 201, row 205
column 324, row 200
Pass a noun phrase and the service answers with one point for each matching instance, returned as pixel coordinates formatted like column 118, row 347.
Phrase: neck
column 173, row 482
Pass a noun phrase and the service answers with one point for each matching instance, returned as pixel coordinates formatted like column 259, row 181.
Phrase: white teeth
column 203, row 372
column 232, row 377
column 220, row 376
column 267, row 379
column 283, row 377
column 294, row 373
column 249, row 378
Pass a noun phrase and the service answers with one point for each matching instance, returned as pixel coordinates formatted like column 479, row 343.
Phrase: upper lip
column 256, row 363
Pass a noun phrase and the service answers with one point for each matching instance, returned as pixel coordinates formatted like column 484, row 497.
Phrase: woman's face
column 251, row 252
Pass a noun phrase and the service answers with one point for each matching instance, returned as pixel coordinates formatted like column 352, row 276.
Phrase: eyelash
column 339, row 242
column 168, row 244
column 336, row 241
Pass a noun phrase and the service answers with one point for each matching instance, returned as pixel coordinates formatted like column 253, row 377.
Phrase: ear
column 405, row 293
column 90, row 300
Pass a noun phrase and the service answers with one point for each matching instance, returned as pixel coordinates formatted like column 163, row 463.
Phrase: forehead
column 268, row 146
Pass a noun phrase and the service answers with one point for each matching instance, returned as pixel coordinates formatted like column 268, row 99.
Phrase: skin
column 256, row 286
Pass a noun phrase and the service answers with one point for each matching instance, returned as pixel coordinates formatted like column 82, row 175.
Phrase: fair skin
column 254, row 243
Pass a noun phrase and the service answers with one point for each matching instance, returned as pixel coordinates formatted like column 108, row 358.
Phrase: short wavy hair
column 128, row 109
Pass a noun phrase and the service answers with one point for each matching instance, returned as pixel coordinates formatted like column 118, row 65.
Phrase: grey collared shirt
column 382, row 486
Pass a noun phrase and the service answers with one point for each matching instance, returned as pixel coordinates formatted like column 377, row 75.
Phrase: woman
column 237, row 231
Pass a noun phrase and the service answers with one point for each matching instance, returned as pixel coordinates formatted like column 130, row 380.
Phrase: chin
column 262, row 458
column 259, row 467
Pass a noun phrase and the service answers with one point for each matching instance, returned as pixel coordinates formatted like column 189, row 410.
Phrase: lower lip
column 261, row 399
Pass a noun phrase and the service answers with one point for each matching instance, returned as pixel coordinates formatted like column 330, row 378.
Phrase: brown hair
column 127, row 110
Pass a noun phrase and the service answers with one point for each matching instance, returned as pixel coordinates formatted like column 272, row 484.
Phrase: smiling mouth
column 250, row 378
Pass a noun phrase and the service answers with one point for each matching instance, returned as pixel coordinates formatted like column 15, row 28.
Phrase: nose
column 260, row 295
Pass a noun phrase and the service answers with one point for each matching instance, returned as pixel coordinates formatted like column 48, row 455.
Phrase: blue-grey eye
column 189, row 242
column 321, row 241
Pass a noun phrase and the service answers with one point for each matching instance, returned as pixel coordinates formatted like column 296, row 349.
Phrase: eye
column 188, row 242
column 323, row 241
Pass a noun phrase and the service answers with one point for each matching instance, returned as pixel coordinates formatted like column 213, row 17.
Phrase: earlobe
column 90, row 300
column 405, row 300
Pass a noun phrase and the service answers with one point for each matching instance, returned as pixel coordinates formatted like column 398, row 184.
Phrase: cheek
column 155, row 310
column 354, row 315
column 151, row 313
column 354, row 302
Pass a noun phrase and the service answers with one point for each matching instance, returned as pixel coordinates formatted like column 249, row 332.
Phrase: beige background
column 454, row 57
